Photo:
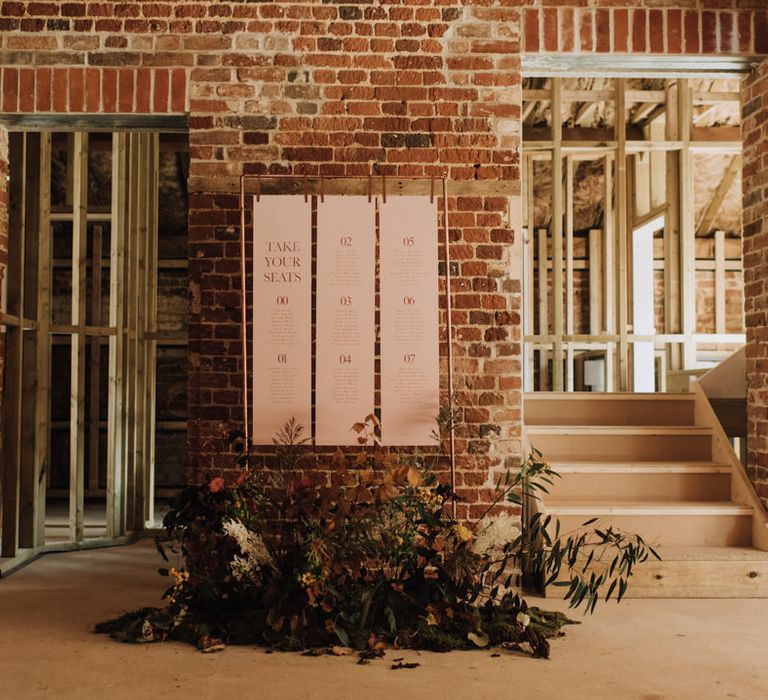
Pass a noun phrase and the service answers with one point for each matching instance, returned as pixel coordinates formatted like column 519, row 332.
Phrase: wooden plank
column 43, row 358
column 12, row 391
column 595, row 281
column 140, row 303
column 687, row 226
column 132, row 289
column 28, row 491
column 152, row 182
column 672, row 233
column 94, row 402
column 116, row 406
column 720, row 317
column 622, row 231
column 556, row 226
column 530, row 246
column 78, row 352
column 609, row 272
column 543, row 254
column 569, row 287
column 358, row 185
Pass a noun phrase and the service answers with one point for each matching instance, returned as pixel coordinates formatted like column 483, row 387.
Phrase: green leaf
column 342, row 636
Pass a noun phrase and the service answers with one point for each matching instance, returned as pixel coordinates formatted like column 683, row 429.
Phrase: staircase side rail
column 742, row 490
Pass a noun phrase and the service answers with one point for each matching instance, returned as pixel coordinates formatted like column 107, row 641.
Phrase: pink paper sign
column 410, row 369
column 346, row 277
column 282, row 315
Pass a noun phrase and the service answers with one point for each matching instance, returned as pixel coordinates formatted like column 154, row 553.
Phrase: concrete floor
column 643, row 649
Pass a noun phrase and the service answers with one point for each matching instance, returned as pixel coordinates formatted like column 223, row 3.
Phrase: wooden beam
column 569, row 287
column 707, row 218
column 14, row 356
column 530, row 247
column 687, row 225
column 28, row 485
column 116, row 454
column 150, row 324
column 595, row 281
column 94, row 400
column 672, row 306
column 622, row 196
column 543, row 255
column 199, row 184
column 720, row 318
column 43, row 359
column 609, row 270
column 557, row 234
column 78, row 352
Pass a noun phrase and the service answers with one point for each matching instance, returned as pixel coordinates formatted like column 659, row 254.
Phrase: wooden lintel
column 359, row 186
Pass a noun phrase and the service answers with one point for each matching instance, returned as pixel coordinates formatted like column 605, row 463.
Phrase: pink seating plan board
column 282, row 315
column 410, row 348
column 346, row 335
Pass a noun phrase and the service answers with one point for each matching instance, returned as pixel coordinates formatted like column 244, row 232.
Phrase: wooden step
column 636, row 443
column 636, row 481
column 705, row 523
column 696, row 572
column 580, row 408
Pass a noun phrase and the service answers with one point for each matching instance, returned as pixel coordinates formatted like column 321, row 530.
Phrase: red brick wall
column 755, row 217
column 394, row 87
column 647, row 26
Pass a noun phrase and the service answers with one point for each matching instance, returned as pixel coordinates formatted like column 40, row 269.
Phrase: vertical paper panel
column 282, row 315
column 346, row 275
column 409, row 321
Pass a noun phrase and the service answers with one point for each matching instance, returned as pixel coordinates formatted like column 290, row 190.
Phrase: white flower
column 251, row 545
column 493, row 532
column 523, row 619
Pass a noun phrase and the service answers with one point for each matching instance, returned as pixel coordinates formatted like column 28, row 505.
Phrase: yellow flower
column 179, row 577
column 463, row 533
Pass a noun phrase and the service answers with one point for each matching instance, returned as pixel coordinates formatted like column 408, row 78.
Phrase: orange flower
column 217, row 484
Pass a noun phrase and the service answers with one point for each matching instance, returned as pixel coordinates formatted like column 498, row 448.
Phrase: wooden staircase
column 658, row 465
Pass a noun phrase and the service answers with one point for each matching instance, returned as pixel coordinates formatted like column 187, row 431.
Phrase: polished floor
column 641, row 649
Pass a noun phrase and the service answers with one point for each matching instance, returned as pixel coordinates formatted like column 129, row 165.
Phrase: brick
column 92, row 89
column 656, row 30
column 620, row 30
column 709, row 32
column 761, row 32
column 160, row 97
column 744, row 32
column 10, row 89
column 639, row 31
column 531, row 17
column 76, row 89
column 43, row 90
column 60, row 89
column 178, row 90
column 727, row 32
column 109, row 90
column 585, row 30
column 143, row 90
column 550, row 28
column 603, row 30
column 674, row 31
column 692, row 42
column 26, row 90
column 125, row 88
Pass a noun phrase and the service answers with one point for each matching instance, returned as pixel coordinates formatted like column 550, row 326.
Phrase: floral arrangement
column 373, row 558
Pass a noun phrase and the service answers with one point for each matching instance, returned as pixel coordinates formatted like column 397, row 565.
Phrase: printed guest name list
column 282, row 315
column 346, row 278
column 410, row 351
